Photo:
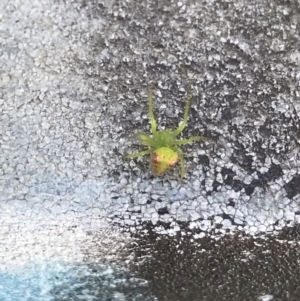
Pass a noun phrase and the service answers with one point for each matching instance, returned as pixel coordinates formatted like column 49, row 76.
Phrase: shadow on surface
column 231, row 268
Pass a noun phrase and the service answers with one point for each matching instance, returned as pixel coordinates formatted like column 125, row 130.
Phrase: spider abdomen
column 162, row 159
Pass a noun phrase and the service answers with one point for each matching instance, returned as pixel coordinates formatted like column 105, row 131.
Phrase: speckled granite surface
column 73, row 92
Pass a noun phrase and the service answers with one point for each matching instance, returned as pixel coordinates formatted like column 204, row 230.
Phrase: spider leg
column 151, row 114
column 146, row 140
column 140, row 154
column 180, row 155
column 185, row 117
column 189, row 140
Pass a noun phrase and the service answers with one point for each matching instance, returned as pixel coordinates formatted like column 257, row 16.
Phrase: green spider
column 163, row 147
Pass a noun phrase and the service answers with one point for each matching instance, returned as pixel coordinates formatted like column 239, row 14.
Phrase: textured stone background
column 73, row 91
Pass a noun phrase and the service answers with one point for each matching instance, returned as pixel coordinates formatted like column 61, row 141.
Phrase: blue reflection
column 58, row 282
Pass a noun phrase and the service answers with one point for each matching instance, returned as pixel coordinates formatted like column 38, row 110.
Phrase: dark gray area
column 236, row 267
column 73, row 92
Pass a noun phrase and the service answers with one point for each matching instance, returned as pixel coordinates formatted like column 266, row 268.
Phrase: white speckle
column 266, row 298
column 154, row 218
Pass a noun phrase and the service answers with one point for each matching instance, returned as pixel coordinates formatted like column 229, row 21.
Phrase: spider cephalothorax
column 163, row 147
